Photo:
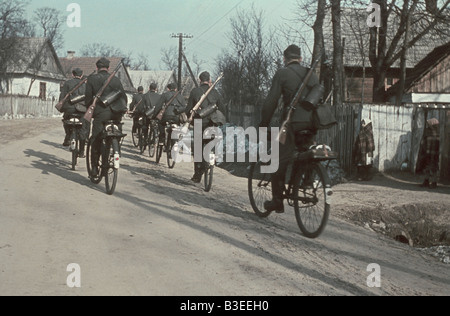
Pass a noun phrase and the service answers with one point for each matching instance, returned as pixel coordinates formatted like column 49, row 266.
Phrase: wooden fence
column 397, row 132
column 340, row 138
column 13, row 106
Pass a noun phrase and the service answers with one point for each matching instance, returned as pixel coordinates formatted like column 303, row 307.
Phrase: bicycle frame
column 308, row 189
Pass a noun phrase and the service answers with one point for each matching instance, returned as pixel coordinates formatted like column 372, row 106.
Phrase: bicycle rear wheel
column 110, row 171
column 259, row 189
column 311, row 202
column 152, row 143
column 95, row 178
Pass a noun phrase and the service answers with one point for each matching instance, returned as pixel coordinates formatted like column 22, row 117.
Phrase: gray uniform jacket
column 151, row 100
column 137, row 104
column 68, row 108
column 286, row 83
column 177, row 106
column 95, row 83
column 213, row 98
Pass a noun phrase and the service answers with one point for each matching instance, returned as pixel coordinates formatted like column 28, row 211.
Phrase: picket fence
column 14, row 106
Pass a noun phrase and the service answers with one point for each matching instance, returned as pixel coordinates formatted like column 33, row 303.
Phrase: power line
column 217, row 22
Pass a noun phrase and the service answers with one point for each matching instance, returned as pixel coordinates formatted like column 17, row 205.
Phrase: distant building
column 87, row 64
column 429, row 80
column 33, row 70
column 145, row 78
column 358, row 75
column 162, row 78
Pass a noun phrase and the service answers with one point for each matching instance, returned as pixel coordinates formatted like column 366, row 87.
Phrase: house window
column 43, row 91
column 390, row 81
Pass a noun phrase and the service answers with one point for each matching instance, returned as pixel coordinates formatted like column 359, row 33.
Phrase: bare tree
column 430, row 19
column 338, row 52
column 50, row 24
column 198, row 63
column 140, row 63
column 247, row 64
column 382, row 48
column 318, row 29
column 12, row 25
column 105, row 50
column 100, row 49
column 169, row 58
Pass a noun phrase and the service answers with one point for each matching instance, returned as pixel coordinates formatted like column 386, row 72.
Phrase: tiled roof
column 88, row 65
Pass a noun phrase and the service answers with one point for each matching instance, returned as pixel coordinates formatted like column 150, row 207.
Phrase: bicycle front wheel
column 170, row 154
column 135, row 137
column 159, row 151
column 95, row 178
column 74, row 140
column 110, row 171
column 209, row 174
column 259, row 189
column 311, row 202
column 142, row 144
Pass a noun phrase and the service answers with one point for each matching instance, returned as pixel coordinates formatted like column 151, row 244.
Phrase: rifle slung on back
column 90, row 111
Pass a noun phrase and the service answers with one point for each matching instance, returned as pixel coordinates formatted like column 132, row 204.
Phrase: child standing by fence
column 363, row 151
column 431, row 147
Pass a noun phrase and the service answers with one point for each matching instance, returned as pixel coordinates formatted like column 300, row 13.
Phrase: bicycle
column 169, row 144
column 112, row 138
column 209, row 166
column 153, row 138
column 138, row 136
column 308, row 190
column 75, row 125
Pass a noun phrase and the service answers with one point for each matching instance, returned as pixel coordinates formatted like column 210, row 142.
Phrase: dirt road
column 161, row 235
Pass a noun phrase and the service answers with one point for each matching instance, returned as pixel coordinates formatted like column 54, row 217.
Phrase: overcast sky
column 146, row 26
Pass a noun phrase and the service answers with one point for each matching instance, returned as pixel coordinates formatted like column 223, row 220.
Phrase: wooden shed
column 427, row 87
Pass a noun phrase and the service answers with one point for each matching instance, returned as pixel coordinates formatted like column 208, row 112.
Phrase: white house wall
column 20, row 86
column 392, row 129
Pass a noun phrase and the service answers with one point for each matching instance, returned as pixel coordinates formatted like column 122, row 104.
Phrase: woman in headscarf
column 363, row 150
column 431, row 145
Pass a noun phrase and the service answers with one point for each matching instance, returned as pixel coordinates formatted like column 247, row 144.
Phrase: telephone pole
column 180, row 37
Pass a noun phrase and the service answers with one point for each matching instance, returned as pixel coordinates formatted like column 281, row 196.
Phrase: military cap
column 293, row 52
column 103, row 63
column 205, row 76
column 77, row 72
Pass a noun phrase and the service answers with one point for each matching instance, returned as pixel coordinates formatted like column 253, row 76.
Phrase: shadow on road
column 199, row 223
column 50, row 164
column 402, row 181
